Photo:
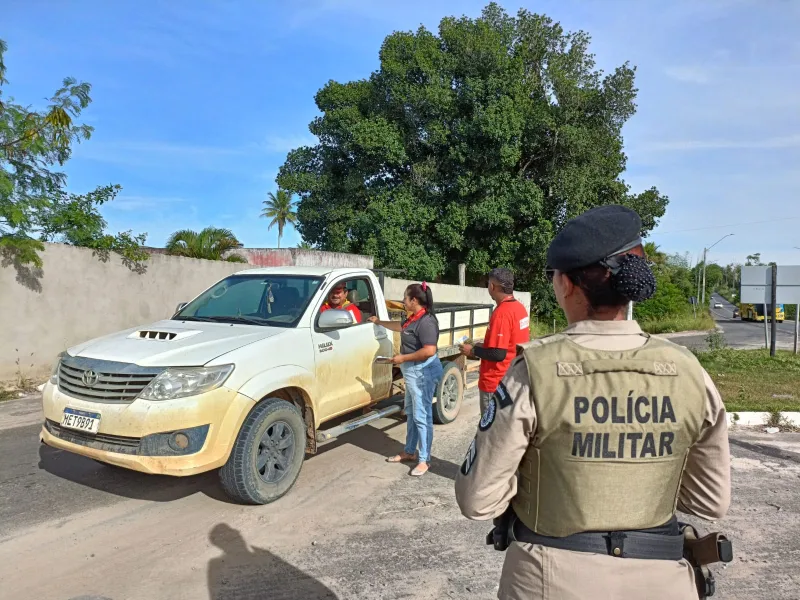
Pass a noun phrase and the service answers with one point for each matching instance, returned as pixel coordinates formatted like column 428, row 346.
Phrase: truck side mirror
column 335, row 318
column 181, row 306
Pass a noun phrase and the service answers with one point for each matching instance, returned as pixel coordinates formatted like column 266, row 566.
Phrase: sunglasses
column 549, row 273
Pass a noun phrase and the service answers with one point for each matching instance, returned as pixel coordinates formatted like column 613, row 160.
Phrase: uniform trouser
column 531, row 572
column 421, row 380
column 485, row 398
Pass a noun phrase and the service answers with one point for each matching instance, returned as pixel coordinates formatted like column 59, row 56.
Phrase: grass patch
column 750, row 380
column 703, row 322
column 7, row 395
column 542, row 328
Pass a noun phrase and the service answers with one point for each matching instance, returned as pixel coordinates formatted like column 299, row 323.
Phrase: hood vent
column 157, row 335
column 161, row 335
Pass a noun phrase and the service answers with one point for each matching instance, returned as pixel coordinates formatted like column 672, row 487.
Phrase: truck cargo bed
column 455, row 321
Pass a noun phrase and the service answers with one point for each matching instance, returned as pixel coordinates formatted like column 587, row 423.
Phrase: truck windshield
column 276, row 301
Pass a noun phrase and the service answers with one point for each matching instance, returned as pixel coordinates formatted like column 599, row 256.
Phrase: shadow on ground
column 159, row 488
column 380, row 443
column 243, row 573
column 126, row 483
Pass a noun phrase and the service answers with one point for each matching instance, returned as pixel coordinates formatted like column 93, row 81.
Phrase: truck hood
column 173, row 343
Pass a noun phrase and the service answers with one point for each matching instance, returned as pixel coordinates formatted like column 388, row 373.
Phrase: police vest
column 614, row 429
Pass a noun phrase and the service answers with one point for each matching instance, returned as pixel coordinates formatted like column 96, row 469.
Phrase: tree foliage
column 281, row 209
column 33, row 204
column 212, row 243
column 474, row 145
column 674, row 286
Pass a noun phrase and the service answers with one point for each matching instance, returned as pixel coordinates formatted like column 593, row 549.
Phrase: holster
column 703, row 551
column 500, row 535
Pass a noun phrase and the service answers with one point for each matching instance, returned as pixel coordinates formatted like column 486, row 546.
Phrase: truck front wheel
column 267, row 455
column 449, row 394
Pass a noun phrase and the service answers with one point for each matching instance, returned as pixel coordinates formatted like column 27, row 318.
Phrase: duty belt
column 660, row 543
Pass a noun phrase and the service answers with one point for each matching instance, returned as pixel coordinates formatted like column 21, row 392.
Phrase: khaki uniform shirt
column 532, row 571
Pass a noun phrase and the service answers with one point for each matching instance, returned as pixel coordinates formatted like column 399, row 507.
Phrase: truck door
column 346, row 372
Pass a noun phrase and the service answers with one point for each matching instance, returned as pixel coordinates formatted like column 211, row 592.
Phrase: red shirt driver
column 508, row 327
column 337, row 298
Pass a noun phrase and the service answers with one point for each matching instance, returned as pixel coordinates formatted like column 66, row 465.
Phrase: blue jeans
column 421, row 379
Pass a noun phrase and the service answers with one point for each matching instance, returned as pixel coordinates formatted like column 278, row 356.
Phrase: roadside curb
column 750, row 419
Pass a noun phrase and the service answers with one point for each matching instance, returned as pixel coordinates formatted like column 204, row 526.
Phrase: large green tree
column 212, row 243
column 33, row 204
column 474, row 145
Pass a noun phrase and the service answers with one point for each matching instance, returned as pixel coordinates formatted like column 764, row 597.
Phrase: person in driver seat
column 337, row 298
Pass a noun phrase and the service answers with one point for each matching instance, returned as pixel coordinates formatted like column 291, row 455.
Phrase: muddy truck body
column 248, row 378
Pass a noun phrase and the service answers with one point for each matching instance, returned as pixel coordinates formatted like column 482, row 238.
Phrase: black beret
column 593, row 236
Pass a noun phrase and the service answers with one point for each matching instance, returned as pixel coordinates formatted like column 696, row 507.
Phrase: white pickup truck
column 247, row 378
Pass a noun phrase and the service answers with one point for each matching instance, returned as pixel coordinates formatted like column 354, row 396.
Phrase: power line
column 656, row 233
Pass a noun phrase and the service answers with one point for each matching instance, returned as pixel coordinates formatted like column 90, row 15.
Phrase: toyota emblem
column 90, row 378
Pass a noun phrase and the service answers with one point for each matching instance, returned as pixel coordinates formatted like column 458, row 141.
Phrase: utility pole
column 703, row 290
column 766, row 327
column 796, row 319
column 774, row 298
column 705, row 252
column 697, row 279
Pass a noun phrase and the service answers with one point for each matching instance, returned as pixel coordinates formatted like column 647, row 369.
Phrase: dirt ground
column 352, row 527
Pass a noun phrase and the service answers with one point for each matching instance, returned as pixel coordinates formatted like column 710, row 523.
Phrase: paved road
column 353, row 527
column 739, row 334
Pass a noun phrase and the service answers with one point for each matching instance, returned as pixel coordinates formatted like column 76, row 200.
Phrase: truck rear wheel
column 267, row 455
column 449, row 395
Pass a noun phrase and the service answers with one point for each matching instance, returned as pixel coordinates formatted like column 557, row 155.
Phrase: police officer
column 595, row 436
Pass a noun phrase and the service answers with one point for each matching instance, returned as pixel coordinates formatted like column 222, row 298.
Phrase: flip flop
column 403, row 457
column 417, row 472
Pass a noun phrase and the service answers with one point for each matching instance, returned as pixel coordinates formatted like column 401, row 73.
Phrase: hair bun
column 634, row 279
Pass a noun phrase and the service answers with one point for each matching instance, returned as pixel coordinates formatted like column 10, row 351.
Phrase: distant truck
column 755, row 312
column 246, row 378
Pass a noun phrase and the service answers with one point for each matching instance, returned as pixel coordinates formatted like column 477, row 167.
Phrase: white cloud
column 284, row 144
column 688, row 74
column 171, row 156
column 168, row 148
column 772, row 143
column 130, row 203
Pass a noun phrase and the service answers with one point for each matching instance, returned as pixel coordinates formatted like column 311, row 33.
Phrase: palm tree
column 211, row 243
column 280, row 208
column 651, row 249
column 305, row 246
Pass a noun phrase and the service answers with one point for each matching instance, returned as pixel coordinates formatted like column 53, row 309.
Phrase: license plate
column 80, row 420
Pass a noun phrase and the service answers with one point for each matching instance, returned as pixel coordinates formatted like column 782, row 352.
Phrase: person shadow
column 250, row 573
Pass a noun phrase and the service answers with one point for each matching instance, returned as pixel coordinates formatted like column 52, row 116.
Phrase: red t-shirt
column 346, row 306
column 509, row 326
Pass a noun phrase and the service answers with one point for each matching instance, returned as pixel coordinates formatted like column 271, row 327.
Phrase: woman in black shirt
column 422, row 371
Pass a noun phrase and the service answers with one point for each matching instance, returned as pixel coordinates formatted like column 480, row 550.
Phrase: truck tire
column 267, row 455
column 449, row 394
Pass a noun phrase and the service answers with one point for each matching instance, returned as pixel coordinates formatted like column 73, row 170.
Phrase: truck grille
column 103, row 381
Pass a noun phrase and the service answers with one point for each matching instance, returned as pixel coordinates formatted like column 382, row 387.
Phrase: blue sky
column 195, row 104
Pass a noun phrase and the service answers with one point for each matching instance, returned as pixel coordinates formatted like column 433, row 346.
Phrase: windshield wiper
column 243, row 319
column 205, row 319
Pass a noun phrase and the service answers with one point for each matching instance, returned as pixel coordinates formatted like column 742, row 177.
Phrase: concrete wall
column 394, row 289
column 79, row 297
column 297, row 257
column 76, row 297
column 293, row 257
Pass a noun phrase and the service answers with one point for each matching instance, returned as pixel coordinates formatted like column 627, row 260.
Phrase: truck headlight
column 56, row 367
column 179, row 382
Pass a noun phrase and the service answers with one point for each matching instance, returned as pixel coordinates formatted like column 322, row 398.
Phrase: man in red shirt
column 508, row 327
column 337, row 298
